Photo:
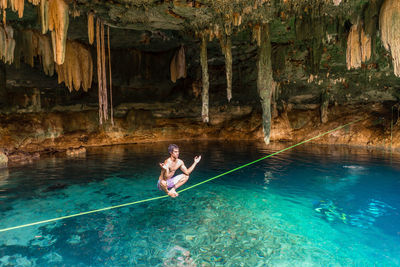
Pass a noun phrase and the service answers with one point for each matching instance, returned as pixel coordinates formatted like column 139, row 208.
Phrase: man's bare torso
column 172, row 166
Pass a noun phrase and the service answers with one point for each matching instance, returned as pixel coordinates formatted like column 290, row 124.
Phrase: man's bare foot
column 173, row 193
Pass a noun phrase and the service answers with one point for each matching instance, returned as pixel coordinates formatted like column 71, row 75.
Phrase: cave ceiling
column 161, row 25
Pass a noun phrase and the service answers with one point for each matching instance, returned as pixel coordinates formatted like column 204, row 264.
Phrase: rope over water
column 190, row 187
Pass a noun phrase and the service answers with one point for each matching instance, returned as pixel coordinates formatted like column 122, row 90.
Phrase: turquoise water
column 310, row 206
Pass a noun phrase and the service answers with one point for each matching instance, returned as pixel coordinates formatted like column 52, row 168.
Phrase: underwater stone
column 44, row 241
column 75, row 239
column 16, row 260
column 190, row 237
column 53, row 257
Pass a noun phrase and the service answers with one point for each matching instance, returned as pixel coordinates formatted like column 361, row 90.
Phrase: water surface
column 309, row 206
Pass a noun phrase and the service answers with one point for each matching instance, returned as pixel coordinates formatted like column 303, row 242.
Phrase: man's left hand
column 197, row 159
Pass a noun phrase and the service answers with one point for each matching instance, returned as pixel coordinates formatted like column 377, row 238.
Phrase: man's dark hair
column 171, row 148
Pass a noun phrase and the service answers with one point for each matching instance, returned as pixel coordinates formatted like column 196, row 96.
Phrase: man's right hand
column 164, row 166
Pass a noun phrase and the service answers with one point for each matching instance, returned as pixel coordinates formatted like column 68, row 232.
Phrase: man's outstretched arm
column 189, row 171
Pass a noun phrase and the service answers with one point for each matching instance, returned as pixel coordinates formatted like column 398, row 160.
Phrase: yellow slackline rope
column 190, row 187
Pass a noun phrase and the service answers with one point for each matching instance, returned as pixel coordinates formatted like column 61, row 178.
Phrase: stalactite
column 173, row 69
column 324, row 106
column 99, row 79
column 65, row 70
column 58, row 25
column 204, row 68
column 85, row 58
column 77, row 69
column 21, row 5
column 109, row 70
column 75, row 11
column 371, row 18
column 389, row 22
column 337, row 2
column 91, row 27
column 34, row 2
column 33, row 44
column 226, row 47
column 18, row 6
column 7, row 44
column 46, row 54
column 257, row 34
column 178, row 65
column 358, row 47
column 3, row 6
column 70, row 68
column 265, row 82
column 237, row 19
column 44, row 15
column 353, row 53
column 10, row 42
column 3, row 37
column 365, row 46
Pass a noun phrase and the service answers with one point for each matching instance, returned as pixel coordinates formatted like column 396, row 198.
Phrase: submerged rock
column 16, row 260
column 53, row 257
column 75, row 239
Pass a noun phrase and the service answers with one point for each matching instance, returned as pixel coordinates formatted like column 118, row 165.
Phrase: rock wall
column 28, row 135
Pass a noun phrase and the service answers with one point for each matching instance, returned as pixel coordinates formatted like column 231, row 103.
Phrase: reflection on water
column 4, row 173
column 363, row 217
column 312, row 205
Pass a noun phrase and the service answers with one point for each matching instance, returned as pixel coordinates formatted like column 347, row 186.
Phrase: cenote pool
column 310, row 206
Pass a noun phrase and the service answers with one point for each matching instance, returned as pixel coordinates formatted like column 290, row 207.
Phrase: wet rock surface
column 25, row 136
column 3, row 159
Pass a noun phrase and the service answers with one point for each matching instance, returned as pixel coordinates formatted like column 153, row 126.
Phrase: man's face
column 175, row 153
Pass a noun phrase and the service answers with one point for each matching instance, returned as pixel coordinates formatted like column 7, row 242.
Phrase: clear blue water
column 310, row 206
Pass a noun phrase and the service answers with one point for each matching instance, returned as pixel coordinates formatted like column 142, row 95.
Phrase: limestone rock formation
column 389, row 22
column 91, row 27
column 178, row 65
column 58, row 25
column 7, row 44
column 358, row 47
column 77, row 70
column 34, row 44
column 301, row 51
column 3, row 159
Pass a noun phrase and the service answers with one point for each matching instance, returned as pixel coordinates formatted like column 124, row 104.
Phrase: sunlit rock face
column 3, row 160
column 135, row 67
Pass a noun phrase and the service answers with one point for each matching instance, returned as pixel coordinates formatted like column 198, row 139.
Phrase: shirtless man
column 166, row 182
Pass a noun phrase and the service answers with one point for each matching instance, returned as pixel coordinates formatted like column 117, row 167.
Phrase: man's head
column 173, row 150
